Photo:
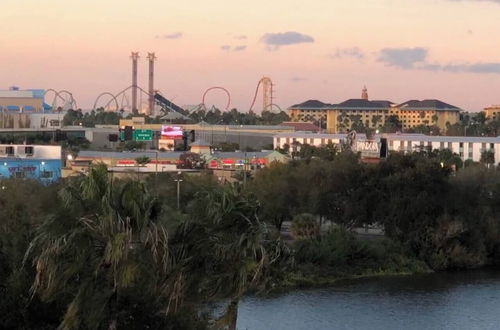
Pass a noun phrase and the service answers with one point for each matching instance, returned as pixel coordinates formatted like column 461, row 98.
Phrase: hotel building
column 374, row 113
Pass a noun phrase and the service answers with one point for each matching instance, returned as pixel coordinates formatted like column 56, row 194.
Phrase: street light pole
column 178, row 180
column 245, row 171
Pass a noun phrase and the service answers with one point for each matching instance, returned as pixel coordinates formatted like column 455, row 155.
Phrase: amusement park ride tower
column 267, row 91
column 151, row 90
column 134, row 57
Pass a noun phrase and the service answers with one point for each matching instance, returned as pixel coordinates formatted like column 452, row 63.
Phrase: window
column 47, row 174
column 9, row 151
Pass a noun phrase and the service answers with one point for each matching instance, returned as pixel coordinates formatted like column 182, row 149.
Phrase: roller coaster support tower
column 134, row 57
column 151, row 91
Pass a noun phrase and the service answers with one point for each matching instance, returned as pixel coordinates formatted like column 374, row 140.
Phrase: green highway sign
column 143, row 135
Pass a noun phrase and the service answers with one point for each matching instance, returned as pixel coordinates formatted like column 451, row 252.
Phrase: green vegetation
column 98, row 252
column 444, row 218
column 234, row 117
column 107, row 254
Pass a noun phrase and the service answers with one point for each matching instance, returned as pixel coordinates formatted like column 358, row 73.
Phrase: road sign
column 143, row 135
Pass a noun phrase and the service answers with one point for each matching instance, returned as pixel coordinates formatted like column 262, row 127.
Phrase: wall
column 31, row 169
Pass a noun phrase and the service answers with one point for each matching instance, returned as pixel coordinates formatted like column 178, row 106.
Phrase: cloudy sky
column 315, row 49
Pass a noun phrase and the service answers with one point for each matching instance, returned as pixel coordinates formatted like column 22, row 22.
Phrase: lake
column 459, row 300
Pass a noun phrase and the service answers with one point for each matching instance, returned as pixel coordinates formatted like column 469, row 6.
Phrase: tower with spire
column 364, row 93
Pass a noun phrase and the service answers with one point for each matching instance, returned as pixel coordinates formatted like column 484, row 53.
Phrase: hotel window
column 441, row 145
column 492, row 146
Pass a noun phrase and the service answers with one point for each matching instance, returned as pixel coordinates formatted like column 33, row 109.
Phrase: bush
column 341, row 253
column 304, row 226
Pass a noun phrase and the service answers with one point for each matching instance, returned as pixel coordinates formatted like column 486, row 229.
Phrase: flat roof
column 312, row 135
column 128, row 154
column 396, row 136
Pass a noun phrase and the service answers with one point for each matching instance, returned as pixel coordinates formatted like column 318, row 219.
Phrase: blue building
column 44, row 170
column 42, row 163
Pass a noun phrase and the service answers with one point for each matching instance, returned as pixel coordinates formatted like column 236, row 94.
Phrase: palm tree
column 141, row 161
column 240, row 250
column 107, row 253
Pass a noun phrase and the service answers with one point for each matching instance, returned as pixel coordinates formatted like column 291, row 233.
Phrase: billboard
column 171, row 132
column 368, row 148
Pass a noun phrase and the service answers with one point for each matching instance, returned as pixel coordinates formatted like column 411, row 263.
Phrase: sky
column 316, row 49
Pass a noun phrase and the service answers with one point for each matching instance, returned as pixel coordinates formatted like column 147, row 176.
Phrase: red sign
column 214, row 164
column 126, row 162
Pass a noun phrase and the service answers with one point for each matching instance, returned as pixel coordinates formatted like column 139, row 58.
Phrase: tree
column 107, row 253
column 238, row 248
column 392, row 124
column 276, row 190
column 375, row 120
column 142, row 160
column 488, row 157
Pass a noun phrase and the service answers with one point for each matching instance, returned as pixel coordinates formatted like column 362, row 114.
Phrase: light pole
column 41, row 170
column 178, row 180
column 245, row 171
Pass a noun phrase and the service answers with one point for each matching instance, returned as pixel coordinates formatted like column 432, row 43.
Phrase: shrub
column 305, row 226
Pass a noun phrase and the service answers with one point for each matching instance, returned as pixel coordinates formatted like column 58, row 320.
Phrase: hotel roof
column 311, row 105
column 363, row 104
column 427, row 105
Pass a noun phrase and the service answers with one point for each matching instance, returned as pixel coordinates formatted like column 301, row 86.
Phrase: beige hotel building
column 373, row 114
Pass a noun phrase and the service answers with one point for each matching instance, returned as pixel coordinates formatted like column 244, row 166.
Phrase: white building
column 467, row 147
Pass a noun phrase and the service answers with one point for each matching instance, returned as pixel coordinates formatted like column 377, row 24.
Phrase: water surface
column 460, row 300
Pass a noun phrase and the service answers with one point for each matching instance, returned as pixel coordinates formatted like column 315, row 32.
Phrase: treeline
column 234, row 117
column 213, row 116
column 448, row 219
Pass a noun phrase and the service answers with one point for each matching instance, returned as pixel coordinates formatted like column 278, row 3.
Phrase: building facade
column 29, row 100
column 426, row 112
column 492, row 112
column 345, row 116
column 373, row 114
column 38, row 162
column 312, row 111
column 466, row 147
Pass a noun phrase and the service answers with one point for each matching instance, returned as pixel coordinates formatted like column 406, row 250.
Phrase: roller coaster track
column 57, row 94
column 228, row 104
